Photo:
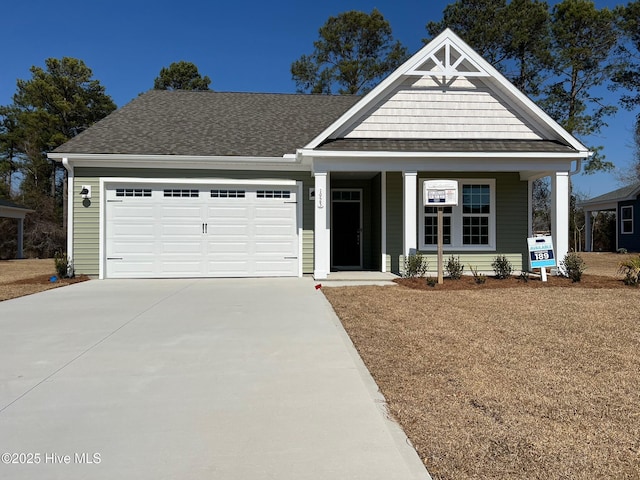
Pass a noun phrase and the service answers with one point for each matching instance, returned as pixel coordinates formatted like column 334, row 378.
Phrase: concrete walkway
column 189, row 379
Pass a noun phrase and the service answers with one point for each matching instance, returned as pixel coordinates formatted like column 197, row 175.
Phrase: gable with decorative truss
column 446, row 91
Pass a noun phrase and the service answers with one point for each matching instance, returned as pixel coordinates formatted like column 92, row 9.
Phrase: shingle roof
column 13, row 206
column 443, row 145
column 619, row 194
column 211, row 124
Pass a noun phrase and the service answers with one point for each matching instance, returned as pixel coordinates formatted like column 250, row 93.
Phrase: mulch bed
column 467, row 282
column 46, row 279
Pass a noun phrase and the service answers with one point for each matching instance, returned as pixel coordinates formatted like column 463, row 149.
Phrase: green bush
column 64, row 266
column 502, row 267
column 454, row 268
column 622, row 251
column 630, row 268
column 415, row 265
column 524, row 276
column 573, row 266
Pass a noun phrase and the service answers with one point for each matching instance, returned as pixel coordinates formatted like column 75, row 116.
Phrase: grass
column 533, row 383
column 25, row 277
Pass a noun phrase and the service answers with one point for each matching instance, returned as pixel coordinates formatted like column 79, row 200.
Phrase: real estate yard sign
column 541, row 254
column 440, row 193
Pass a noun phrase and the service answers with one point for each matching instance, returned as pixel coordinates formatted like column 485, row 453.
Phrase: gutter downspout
column 70, row 177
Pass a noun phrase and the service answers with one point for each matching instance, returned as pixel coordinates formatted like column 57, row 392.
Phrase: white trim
column 300, row 220
column 102, row 227
column 560, row 216
column 383, row 221
column 201, row 181
column 409, row 212
column 434, row 154
column 622, row 220
column 321, row 240
column 456, row 218
column 289, row 162
column 70, row 207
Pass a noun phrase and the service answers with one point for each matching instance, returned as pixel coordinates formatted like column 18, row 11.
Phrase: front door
column 346, row 228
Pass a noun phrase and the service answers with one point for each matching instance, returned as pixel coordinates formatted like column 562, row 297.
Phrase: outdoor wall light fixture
column 85, row 192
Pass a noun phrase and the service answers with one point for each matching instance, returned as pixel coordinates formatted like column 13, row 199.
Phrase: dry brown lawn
column 507, row 383
column 27, row 276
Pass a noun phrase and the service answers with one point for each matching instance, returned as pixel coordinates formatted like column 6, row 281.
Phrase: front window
column 468, row 226
column 626, row 219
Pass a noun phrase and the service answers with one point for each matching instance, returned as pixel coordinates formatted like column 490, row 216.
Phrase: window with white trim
column 626, row 219
column 468, row 226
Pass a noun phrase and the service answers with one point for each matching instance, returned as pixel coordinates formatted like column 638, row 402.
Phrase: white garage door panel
column 190, row 232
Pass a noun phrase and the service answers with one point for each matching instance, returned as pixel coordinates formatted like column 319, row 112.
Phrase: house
column 191, row 184
column 12, row 210
column 625, row 202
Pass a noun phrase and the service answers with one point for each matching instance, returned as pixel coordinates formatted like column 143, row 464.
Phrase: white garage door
column 200, row 231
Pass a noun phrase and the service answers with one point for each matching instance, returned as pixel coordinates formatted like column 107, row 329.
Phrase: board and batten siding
column 422, row 108
column 511, row 223
column 86, row 231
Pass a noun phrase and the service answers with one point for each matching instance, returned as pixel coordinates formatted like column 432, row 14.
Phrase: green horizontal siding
column 480, row 261
column 87, row 217
column 511, row 221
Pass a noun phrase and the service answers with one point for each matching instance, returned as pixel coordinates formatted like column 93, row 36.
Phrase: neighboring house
column 625, row 202
column 189, row 184
column 12, row 210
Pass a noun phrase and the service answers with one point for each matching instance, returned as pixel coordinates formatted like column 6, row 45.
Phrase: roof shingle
column 209, row 123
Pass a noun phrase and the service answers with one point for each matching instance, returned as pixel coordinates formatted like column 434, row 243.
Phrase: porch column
column 587, row 230
column 410, row 216
column 530, row 208
column 383, row 221
column 560, row 214
column 322, row 244
column 20, row 237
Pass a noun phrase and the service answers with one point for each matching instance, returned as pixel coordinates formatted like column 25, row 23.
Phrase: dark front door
column 346, row 234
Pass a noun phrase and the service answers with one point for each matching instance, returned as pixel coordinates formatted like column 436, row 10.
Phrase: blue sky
column 244, row 46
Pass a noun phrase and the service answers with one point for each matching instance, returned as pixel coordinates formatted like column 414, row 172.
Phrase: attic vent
column 227, row 193
column 133, row 192
column 181, row 192
column 274, row 194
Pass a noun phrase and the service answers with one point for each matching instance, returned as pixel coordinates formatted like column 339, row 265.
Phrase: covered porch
column 371, row 220
column 18, row 212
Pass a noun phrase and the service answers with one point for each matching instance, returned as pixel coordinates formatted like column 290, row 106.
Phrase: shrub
column 432, row 281
column 524, row 276
column 64, row 266
column 573, row 266
column 630, row 268
column 454, row 268
column 479, row 278
column 415, row 265
column 502, row 267
column 622, row 251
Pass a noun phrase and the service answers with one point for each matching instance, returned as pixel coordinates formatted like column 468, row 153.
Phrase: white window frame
column 456, row 218
column 622, row 220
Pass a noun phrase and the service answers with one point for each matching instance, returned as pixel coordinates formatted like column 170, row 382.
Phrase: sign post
column 440, row 193
column 541, row 254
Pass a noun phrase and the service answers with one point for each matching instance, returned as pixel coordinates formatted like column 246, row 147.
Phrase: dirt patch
column 530, row 384
column 604, row 263
column 25, row 277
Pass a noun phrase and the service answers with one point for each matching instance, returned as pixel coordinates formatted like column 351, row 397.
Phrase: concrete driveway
column 189, row 379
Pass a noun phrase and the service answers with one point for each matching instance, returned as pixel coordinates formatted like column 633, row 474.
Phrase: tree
column 513, row 37
column 57, row 103
column 181, row 76
column 583, row 39
column 627, row 75
column 480, row 23
column 527, row 43
column 354, row 51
